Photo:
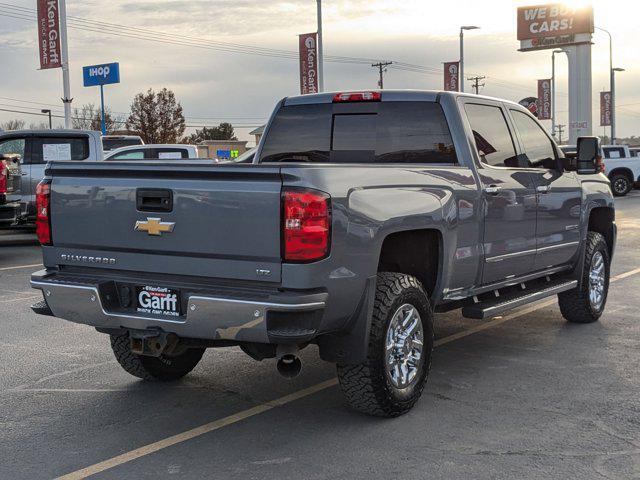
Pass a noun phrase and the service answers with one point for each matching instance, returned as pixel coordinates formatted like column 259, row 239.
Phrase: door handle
column 24, row 174
column 543, row 189
column 492, row 190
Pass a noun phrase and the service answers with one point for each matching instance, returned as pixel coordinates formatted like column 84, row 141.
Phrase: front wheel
column 164, row 368
column 621, row 184
column 391, row 379
column 585, row 304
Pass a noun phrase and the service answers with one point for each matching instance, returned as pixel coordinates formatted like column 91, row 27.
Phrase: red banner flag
column 49, row 34
column 544, row 99
column 308, row 45
column 605, row 109
column 452, row 76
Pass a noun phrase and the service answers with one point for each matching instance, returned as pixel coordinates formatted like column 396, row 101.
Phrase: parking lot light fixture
column 462, row 29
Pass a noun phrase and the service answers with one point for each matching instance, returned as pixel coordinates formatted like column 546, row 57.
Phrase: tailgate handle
column 154, row 200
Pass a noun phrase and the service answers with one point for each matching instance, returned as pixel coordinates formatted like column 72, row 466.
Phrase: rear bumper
column 266, row 318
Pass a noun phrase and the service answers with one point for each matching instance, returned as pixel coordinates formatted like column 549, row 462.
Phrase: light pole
column 611, row 86
column 320, row 52
column 44, row 110
column 462, row 29
column 613, row 103
column 553, row 91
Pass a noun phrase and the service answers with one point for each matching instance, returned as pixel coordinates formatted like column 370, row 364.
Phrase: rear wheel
column 164, row 368
column 621, row 184
column 390, row 381
column 585, row 304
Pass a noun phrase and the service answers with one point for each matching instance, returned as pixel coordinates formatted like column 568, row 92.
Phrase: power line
column 101, row 27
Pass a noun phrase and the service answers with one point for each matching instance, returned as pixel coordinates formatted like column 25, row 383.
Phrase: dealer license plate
column 158, row 301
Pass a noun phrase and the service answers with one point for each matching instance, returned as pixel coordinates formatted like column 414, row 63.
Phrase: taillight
column 306, row 225
column 4, row 175
column 600, row 167
column 357, row 97
column 43, row 213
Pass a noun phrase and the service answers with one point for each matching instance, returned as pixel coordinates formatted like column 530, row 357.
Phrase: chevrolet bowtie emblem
column 154, row 226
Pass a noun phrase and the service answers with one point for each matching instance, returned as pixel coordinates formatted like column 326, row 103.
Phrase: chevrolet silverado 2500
column 362, row 214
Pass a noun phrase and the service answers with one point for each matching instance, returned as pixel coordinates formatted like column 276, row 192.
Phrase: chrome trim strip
column 499, row 258
column 560, row 245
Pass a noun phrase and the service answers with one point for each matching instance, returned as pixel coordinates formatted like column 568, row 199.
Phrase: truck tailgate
column 220, row 222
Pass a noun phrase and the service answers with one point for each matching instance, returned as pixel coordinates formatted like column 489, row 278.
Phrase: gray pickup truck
column 362, row 214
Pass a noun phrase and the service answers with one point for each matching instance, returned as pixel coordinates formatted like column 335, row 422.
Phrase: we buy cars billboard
column 553, row 25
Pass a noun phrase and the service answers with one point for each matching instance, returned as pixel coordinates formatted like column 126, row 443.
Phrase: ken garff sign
column 96, row 75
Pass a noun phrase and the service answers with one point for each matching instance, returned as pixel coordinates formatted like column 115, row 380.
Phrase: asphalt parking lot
column 526, row 395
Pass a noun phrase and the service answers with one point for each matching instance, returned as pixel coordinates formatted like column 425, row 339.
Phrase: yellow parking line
column 21, row 266
column 258, row 409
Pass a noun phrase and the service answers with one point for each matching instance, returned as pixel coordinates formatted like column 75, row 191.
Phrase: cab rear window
column 384, row 132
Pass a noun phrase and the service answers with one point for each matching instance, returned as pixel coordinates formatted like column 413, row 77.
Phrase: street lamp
column 320, row 48
column 47, row 111
column 462, row 29
column 613, row 103
column 553, row 91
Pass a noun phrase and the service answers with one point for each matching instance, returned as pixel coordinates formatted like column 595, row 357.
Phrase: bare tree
column 88, row 117
column 157, row 117
column 12, row 125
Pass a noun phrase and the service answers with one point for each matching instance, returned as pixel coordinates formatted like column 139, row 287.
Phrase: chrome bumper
column 207, row 317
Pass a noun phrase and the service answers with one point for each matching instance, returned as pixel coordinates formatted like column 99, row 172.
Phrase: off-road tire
column 621, row 184
column 163, row 368
column 366, row 386
column 575, row 305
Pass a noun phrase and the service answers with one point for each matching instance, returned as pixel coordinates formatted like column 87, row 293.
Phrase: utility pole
column 320, row 49
column 462, row 29
column 560, row 129
column 476, row 83
column 64, row 47
column 382, row 66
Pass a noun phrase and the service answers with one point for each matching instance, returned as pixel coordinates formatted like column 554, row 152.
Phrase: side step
column 496, row 306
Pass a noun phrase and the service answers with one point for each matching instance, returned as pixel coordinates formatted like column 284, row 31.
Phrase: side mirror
column 588, row 156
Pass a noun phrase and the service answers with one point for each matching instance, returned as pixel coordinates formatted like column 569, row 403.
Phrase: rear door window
column 385, row 132
column 613, row 152
column 171, row 153
column 492, row 135
column 49, row 149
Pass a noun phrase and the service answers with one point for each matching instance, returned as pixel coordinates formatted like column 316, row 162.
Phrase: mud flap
column 350, row 347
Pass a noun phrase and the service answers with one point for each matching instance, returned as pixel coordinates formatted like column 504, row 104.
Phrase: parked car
column 149, row 152
column 10, row 177
column 362, row 214
column 111, row 142
column 634, row 151
column 37, row 147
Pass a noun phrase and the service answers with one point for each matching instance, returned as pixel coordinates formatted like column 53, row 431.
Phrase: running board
column 498, row 305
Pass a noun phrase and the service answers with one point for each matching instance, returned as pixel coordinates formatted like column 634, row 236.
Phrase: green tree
column 224, row 131
column 157, row 117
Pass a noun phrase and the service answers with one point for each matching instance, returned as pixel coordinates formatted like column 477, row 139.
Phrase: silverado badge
column 154, row 226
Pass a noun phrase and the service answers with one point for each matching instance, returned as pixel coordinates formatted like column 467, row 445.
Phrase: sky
column 185, row 46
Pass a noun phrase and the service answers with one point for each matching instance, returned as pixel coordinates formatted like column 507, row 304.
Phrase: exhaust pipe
column 287, row 361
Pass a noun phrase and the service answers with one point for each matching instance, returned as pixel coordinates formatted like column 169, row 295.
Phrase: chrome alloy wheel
column 597, row 275
column 404, row 346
